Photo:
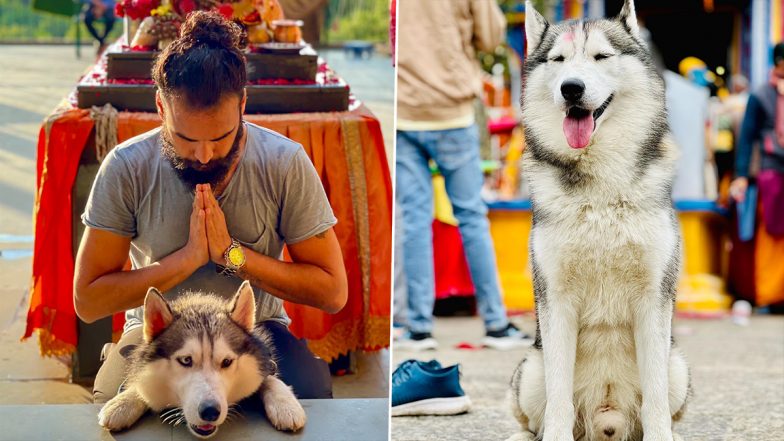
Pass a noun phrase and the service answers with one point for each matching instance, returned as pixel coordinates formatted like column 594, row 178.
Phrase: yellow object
column 690, row 63
column 724, row 141
column 242, row 9
column 701, row 289
column 258, row 34
column 510, row 230
column 161, row 10
column 442, row 208
column 236, row 256
column 510, row 180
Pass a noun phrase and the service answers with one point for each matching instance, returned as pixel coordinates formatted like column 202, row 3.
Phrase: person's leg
column 400, row 302
column 307, row 375
column 89, row 22
column 108, row 21
column 457, row 156
column 111, row 374
column 414, row 194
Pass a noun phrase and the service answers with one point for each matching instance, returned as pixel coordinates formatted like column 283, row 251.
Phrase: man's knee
column 111, row 374
column 307, row 375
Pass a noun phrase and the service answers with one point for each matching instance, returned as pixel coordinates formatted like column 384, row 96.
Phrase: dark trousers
column 108, row 24
column 297, row 366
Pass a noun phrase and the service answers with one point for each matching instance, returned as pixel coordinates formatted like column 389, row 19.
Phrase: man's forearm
column 122, row 290
column 301, row 283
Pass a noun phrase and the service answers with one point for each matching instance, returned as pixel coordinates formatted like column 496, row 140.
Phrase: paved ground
column 40, row 77
column 737, row 374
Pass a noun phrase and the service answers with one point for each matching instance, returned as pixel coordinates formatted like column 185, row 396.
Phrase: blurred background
column 711, row 53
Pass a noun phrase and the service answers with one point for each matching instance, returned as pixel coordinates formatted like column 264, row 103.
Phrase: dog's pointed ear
column 628, row 18
column 243, row 307
column 157, row 314
column 535, row 27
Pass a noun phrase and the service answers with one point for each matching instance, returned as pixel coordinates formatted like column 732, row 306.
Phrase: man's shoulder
column 271, row 147
column 140, row 147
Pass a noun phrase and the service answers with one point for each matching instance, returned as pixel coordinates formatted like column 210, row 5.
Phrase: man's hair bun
column 212, row 29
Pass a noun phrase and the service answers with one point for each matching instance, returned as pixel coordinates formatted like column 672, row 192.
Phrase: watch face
column 236, row 256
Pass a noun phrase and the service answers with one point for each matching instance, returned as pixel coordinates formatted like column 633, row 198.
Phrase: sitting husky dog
column 200, row 355
column 605, row 244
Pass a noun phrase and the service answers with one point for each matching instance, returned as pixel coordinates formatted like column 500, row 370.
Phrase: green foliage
column 346, row 20
column 366, row 20
column 19, row 22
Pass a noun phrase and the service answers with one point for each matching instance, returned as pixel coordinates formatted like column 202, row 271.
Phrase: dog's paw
column 551, row 436
column 121, row 412
column 661, row 437
column 286, row 414
column 522, row 436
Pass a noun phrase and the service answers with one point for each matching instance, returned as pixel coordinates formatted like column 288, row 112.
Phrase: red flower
column 185, row 7
column 119, row 11
column 226, row 11
column 252, row 18
column 145, row 7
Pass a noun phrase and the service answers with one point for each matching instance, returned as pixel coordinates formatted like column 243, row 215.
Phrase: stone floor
column 737, row 376
column 39, row 78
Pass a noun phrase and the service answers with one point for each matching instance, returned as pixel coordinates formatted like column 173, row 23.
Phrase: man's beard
column 194, row 172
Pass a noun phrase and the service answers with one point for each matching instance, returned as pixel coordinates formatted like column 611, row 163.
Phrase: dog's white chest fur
column 601, row 251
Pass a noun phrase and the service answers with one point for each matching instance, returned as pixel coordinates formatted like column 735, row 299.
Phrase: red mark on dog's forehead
column 568, row 37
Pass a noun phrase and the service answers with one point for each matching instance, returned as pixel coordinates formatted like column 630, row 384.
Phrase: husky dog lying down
column 201, row 355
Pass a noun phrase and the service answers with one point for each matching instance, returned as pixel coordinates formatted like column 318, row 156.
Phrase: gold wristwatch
column 235, row 259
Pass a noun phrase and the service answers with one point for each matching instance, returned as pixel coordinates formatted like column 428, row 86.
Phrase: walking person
column 763, row 122
column 97, row 10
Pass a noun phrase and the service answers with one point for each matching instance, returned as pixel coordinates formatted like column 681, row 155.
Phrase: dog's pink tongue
column 206, row 427
column 578, row 131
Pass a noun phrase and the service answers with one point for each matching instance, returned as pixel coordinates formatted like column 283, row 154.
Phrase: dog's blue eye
column 598, row 57
column 226, row 362
column 557, row 59
column 185, row 361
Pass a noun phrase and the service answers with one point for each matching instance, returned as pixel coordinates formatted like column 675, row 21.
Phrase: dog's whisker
column 179, row 421
column 169, row 414
column 173, row 409
column 171, row 418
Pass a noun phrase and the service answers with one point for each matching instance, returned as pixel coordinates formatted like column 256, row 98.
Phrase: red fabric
column 453, row 278
column 51, row 305
column 771, row 197
column 53, row 264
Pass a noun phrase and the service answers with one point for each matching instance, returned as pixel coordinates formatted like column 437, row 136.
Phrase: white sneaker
column 416, row 341
column 507, row 339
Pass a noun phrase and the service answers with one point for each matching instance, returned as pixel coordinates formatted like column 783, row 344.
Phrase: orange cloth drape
column 347, row 151
column 768, row 270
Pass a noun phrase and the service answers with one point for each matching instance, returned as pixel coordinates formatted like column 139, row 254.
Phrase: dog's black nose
column 209, row 411
column 572, row 89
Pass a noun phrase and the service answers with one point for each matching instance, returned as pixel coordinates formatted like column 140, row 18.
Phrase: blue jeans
column 456, row 152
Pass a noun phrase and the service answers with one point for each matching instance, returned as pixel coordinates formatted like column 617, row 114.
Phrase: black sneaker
column 507, row 338
column 416, row 341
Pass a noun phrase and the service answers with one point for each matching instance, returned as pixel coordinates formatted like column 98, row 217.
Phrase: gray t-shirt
column 274, row 198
